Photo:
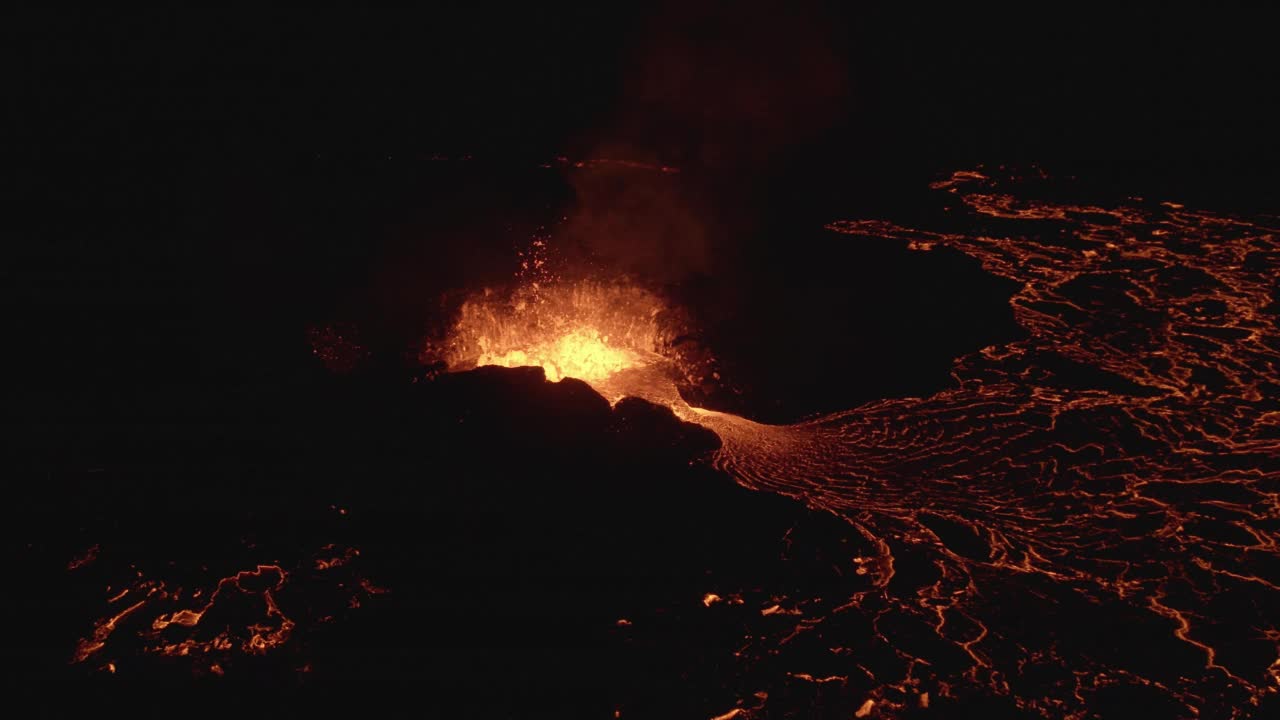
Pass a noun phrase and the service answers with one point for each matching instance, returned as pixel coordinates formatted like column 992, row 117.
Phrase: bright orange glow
column 582, row 353
column 613, row 336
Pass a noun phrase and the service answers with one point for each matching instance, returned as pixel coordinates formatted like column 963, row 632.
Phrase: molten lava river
column 1123, row 454
column 990, row 524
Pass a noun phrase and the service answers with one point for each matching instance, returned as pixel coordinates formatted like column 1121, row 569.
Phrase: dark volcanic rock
column 541, row 549
column 638, row 426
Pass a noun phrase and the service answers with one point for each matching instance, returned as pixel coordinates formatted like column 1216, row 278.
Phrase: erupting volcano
column 1111, row 474
column 1086, row 517
column 647, row 361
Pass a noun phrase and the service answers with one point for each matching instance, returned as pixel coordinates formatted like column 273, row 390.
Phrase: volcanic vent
column 616, row 336
column 1112, row 474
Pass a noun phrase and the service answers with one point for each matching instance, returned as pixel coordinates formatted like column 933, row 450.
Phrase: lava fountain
column 616, row 336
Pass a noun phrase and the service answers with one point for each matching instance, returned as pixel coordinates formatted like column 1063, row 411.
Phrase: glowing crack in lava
column 1089, row 517
column 219, row 628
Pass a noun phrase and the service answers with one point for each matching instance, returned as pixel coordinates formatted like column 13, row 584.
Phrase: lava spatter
column 616, row 336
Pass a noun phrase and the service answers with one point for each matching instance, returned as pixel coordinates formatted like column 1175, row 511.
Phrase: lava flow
column 216, row 628
column 1090, row 512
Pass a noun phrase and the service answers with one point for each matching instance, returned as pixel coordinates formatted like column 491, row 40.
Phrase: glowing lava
column 1115, row 474
column 617, row 337
column 582, row 353
column 215, row 628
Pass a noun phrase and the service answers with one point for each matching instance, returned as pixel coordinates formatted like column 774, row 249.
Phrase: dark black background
column 190, row 191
